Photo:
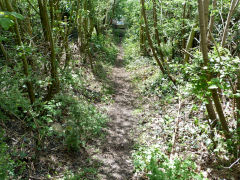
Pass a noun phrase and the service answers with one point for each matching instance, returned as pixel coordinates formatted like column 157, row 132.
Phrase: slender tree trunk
column 2, row 6
column 211, row 22
column 79, row 26
column 44, row 19
column 141, row 31
column 54, row 86
column 66, row 45
column 183, row 25
column 189, row 43
column 150, row 40
column 238, row 109
column 51, row 12
column 87, row 33
column 155, row 24
column 24, row 59
column 28, row 22
column 160, row 63
column 206, row 13
column 5, row 54
column 29, row 2
column 234, row 4
column 155, row 19
column 143, row 49
column 206, row 61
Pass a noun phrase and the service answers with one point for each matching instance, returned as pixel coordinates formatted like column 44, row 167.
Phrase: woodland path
column 115, row 151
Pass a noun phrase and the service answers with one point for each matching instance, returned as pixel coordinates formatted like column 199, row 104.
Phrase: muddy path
column 115, row 150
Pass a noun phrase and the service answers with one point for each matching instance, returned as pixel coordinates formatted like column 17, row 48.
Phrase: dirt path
column 115, row 151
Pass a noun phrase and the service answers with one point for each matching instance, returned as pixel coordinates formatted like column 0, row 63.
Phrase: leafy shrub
column 7, row 164
column 84, row 121
column 104, row 48
column 158, row 85
column 73, row 119
column 13, row 95
column 223, row 69
column 131, row 49
column 158, row 166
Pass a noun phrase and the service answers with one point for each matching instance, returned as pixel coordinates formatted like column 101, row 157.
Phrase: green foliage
column 13, row 96
column 82, row 174
column 131, row 9
column 158, row 166
column 222, row 66
column 7, row 19
column 69, row 117
column 158, row 85
column 103, row 47
column 84, row 122
column 131, row 50
column 118, row 34
column 7, row 164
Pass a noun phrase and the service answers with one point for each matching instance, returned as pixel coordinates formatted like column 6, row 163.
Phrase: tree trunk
column 2, row 6
column 29, row 84
column 189, row 43
column 150, row 40
column 155, row 24
column 160, row 63
column 143, row 48
column 234, row 4
column 54, row 86
column 66, row 45
column 183, row 25
column 211, row 22
column 206, row 13
column 206, row 62
column 155, row 19
column 51, row 12
column 238, row 109
column 5, row 54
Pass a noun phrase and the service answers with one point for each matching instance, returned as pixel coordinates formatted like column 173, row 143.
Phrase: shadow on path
column 115, row 150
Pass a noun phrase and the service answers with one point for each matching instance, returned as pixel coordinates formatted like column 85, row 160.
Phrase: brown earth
column 115, row 150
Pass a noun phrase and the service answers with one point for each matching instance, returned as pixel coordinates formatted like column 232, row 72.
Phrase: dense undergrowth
column 56, row 59
column 151, row 158
column 66, row 123
column 175, row 139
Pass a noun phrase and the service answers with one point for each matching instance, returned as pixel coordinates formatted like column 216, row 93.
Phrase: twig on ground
column 175, row 135
column 234, row 163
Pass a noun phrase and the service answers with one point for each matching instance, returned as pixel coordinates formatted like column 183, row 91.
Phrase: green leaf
column 6, row 23
column 2, row 38
column 237, row 95
column 213, row 87
column 17, row 15
column 11, row 15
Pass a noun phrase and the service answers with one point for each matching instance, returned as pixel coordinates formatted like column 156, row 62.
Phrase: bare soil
column 115, row 150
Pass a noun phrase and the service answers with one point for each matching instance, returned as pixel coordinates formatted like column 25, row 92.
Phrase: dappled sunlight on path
column 115, row 155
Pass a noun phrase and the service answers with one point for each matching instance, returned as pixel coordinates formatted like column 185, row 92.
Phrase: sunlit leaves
column 7, row 19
